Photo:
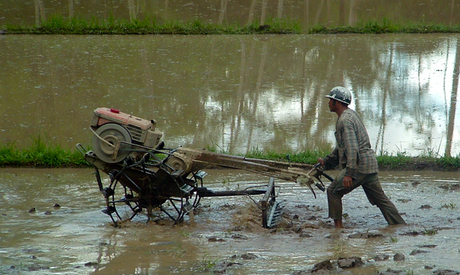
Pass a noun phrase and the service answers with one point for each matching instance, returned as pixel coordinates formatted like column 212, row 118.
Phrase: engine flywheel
column 107, row 145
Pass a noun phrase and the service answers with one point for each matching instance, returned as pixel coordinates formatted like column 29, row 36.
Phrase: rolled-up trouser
column 374, row 193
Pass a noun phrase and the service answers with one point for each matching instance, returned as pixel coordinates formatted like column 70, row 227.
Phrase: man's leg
column 376, row 196
column 335, row 192
column 338, row 223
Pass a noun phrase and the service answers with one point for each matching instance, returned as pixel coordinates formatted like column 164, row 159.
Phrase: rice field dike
column 74, row 25
column 41, row 154
column 61, row 25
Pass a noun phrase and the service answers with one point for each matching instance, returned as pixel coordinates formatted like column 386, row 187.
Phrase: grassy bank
column 40, row 154
column 385, row 26
column 62, row 25
column 44, row 155
column 398, row 162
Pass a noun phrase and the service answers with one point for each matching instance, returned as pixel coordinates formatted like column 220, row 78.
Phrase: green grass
column 448, row 161
column 40, row 154
column 401, row 161
column 310, row 157
column 61, row 25
column 75, row 25
column 44, row 154
column 385, row 26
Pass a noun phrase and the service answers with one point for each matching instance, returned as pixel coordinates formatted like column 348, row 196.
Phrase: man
column 356, row 160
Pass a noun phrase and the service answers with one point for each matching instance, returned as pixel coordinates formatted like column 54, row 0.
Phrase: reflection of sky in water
column 403, row 133
column 230, row 101
column 423, row 126
column 420, row 129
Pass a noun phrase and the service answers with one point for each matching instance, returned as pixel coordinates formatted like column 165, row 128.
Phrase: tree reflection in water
column 236, row 93
column 308, row 13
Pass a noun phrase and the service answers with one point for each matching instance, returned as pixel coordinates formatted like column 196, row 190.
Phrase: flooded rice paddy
column 235, row 93
column 51, row 223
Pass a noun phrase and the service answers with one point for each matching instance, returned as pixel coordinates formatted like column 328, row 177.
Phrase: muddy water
column 225, row 234
column 234, row 93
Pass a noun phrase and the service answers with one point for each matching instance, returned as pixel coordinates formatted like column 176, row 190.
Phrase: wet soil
column 51, row 224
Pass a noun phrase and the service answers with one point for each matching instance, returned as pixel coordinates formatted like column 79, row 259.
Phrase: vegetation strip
column 42, row 155
column 60, row 25
column 385, row 26
column 75, row 25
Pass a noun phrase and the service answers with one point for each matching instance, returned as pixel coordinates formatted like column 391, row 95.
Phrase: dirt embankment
column 413, row 164
column 418, row 164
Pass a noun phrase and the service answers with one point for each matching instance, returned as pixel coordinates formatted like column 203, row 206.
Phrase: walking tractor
column 145, row 176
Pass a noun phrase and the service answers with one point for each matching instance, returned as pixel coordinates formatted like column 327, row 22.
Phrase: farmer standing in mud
column 356, row 160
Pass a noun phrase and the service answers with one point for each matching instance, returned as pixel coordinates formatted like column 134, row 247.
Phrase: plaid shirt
column 353, row 150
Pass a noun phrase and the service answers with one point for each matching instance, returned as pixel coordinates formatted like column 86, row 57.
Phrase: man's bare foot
column 338, row 223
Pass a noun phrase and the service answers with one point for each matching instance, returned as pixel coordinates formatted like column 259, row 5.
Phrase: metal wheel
column 123, row 203
column 107, row 144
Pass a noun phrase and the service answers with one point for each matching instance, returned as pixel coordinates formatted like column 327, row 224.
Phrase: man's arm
column 332, row 160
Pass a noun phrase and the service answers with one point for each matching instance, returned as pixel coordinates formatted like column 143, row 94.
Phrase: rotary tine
column 275, row 214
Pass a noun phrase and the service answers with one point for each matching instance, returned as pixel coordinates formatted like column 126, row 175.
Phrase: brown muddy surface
column 225, row 234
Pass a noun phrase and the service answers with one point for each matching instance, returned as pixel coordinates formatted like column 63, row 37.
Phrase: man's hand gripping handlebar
column 317, row 171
